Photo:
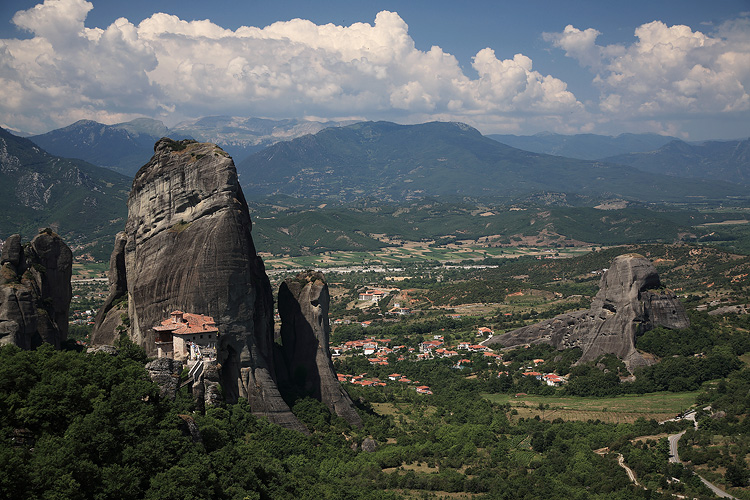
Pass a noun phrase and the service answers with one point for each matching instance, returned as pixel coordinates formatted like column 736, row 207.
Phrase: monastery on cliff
column 185, row 336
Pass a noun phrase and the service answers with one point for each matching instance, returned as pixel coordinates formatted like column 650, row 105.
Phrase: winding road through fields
column 674, row 457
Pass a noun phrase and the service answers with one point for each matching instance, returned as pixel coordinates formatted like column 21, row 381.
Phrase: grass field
column 621, row 409
column 88, row 270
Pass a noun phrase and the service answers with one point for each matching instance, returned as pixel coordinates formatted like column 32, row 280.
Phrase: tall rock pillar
column 303, row 307
column 187, row 246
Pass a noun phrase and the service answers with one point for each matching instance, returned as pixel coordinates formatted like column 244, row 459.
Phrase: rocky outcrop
column 166, row 373
column 35, row 291
column 627, row 305
column 306, row 359
column 109, row 318
column 187, row 246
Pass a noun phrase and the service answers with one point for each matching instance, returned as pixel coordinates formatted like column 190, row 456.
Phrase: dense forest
column 77, row 425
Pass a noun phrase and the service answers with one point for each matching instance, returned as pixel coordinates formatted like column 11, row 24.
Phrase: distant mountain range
column 84, row 203
column 241, row 137
column 370, row 174
column 584, row 146
column 126, row 147
column 727, row 161
column 398, row 163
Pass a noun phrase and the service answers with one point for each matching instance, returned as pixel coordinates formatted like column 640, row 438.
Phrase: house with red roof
column 182, row 335
column 553, row 379
column 429, row 345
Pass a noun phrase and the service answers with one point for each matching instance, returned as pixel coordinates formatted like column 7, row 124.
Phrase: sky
column 674, row 67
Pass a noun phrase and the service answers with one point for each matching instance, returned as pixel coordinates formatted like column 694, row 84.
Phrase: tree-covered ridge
column 284, row 226
column 718, row 160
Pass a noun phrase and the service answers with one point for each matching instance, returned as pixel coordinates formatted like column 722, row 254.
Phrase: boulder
column 626, row 306
column 308, row 371
column 369, row 445
column 212, row 396
column 11, row 252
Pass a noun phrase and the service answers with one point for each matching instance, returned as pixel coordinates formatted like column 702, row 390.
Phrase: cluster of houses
column 435, row 348
column 377, row 294
column 83, row 317
column 551, row 379
column 378, row 350
column 362, row 380
column 368, row 346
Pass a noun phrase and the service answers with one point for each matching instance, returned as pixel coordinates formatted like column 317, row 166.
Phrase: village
column 382, row 352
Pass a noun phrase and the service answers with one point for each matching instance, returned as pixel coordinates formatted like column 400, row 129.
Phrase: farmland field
column 414, row 252
column 621, row 409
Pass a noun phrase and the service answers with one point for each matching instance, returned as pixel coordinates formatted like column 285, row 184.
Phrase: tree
column 737, row 474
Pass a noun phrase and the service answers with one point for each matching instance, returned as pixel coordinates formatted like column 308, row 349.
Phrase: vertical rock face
column 187, row 246
column 35, row 291
column 303, row 307
column 109, row 317
column 624, row 307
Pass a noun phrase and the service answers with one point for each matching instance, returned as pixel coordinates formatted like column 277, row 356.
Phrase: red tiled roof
column 190, row 324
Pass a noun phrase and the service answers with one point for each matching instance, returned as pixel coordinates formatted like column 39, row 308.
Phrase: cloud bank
column 169, row 68
column 669, row 72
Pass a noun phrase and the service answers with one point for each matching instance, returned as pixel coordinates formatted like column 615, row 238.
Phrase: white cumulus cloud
column 668, row 72
column 171, row 68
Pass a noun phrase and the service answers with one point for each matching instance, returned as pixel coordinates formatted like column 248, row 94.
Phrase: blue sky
column 673, row 67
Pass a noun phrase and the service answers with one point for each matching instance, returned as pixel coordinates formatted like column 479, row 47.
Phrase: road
column 674, row 457
column 631, row 474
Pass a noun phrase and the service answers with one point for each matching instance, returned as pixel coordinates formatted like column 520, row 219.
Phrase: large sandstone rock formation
column 187, row 246
column 35, row 291
column 627, row 305
column 306, row 361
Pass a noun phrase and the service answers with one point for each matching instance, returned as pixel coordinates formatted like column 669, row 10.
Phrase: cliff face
column 187, row 246
column 35, row 291
column 109, row 317
column 624, row 307
column 306, row 366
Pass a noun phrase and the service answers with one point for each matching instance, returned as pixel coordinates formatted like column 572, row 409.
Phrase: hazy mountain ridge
column 240, row 136
column 727, row 161
column 126, row 147
column 403, row 162
column 583, row 146
column 123, row 147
